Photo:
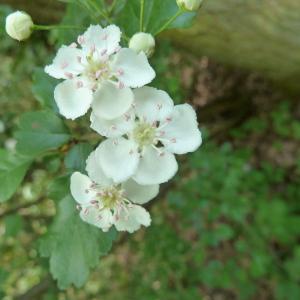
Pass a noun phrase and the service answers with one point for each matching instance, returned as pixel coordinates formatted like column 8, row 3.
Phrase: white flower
column 103, row 203
column 99, row 73
column 18, row 25
column 154, row 131
column 142, row 41
column 189, row 5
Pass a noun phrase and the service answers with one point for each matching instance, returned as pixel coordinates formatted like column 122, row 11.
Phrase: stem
column 142, row 15
column 50, row 27
column 112, row 7
column 103, row 14
column 170, row 21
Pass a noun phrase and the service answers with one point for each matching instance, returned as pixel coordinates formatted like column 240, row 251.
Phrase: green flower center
column 144, row 134
column 96, row 70
column 111, row 196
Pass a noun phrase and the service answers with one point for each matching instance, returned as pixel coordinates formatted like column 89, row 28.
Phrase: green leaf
column 43, row 89
column 156, row 14
column 76, row 158
column 13, row 168
column 73, row 246
column 59, row 188
column 40, row 131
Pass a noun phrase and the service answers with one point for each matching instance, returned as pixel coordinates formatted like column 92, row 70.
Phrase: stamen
column 120, row 72
column 160, row 153
column 69, row 75
column 80, row 40
column 115, row 142
column 79, row 84
column 159, row 106
column 173, row 140
column 78, row 207
column 104, row 37
column 86, row 211
column 79, row 59
column 121, row 85
column 103, row 52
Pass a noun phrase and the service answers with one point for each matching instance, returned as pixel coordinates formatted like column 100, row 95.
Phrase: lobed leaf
column 39, row 132
column 13, row 168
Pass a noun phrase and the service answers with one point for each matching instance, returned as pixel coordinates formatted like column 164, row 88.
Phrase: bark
column 258, row 35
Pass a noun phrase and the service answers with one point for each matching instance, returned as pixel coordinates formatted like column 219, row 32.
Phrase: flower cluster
column 141, row 126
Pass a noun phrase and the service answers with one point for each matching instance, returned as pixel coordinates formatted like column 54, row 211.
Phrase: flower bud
column 19, row 25
column 189, row 5
column 142, row 41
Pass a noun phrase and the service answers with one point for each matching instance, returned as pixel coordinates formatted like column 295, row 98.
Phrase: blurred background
column 228, row 226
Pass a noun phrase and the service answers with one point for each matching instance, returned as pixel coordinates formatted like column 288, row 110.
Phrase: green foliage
column 13, row 168
column 228, row 228
column 39, row 132
column 42, row 88
column 73, row 246
column 76, row 158
column 156, row 14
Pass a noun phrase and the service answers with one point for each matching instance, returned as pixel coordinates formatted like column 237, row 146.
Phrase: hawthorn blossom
column 104, row 204
column 98, row 73
column 141, row 144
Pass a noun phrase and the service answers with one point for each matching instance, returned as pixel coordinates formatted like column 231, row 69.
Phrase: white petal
column 139, row 194
column 104, row 40
column 152, row 104
column 95, row 171
column 111, row 102
column 131, row 220
column 102, row 219
column 118, row 158
column 66, row 63
column 72, row 101
column 113, row 128
column 81, row 188
column 182, row 135
column 155, row 168
column 133, row 69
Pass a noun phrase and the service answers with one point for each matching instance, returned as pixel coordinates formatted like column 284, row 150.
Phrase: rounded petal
column 113, row 128
column 72, row 101
column 111, row 102
column 118, row 158
column 155, row 168
column 66, row 63
column 95, row 172
column 139, row 194
column 132, row 69
column 100, row 218
column 104, row 40
column 81, row 188
column 152, row 104
column 182, row 135
column 131, row 219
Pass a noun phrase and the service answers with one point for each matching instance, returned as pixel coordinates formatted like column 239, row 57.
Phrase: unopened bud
column 19, row 25
column 189, row 5
column 142, row 41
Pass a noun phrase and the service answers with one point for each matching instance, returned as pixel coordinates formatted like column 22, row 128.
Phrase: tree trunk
column 259, row 35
